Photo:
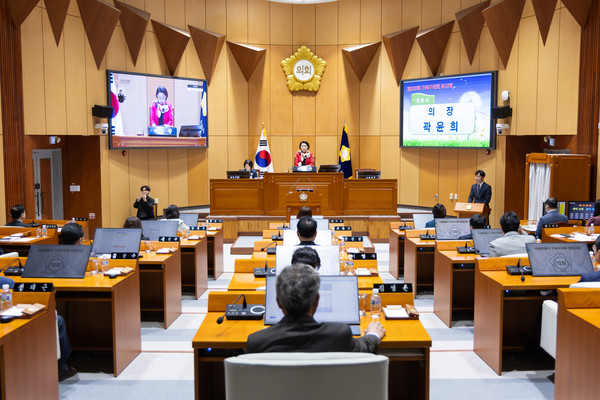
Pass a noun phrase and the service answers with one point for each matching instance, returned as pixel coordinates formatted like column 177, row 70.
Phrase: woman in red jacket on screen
column 161, row 112
column 303, row 156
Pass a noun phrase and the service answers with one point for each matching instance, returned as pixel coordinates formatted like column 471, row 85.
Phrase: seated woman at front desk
column 303, row 156
column 249, row 166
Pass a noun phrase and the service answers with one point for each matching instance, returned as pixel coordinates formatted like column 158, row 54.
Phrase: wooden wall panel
column 196, row 13
column 547, row 74
column 74, row 43
column 527, row 76
column 117, row 53
column 138, row 176
column 348, row 96
column 448, row 178
column 259, row 99
column 281, row 23
column 197, row 176
column 216, row 16
column 488, row 56
column 282, row 152
column 217, row 148
column 390, row 98
column 237, row 152
column 349, row 21
column 568, row 74
column 258, row 29
column 157, row 10
column 389, row 154
column 369, row 152
column 217, row 94
column 237, row 20
column 304, row 25
column 175, row 14
column 54, row 80
column 370, row 98
column 119, row 190
column 326, row 123
column 326, row 19
column 237, row 98
column 3, row 215
column 178, row 176
column 370, row 21
column 281, row 99
column 158, row 176
column 429, row 177
column 467, row 165
column 328, row 149
column 34, row 104
column 450, row 64
column 409, row 176
column 392, row 9
column 431, row 13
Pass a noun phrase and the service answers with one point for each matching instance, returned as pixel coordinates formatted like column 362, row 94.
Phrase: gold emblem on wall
column 303, row 70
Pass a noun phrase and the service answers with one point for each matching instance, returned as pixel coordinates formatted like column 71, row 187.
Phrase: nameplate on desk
column 271, row 251
column 79, row 219
column 215, row 221
column 262, row 272
column 342, row 228
column 276, row 237
column 405, row 228
column 168, row 238
column 124, row 256
column 197, row 228
column 33, row 287
column 353, row 238
column 363, row 256
column 50, row 226
column 393, row 287
column 336, row 221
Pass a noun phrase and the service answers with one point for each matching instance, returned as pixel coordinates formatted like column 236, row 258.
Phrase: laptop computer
column 290, row 238
column 116, row 240
column 451, row 228
column 321, row 224
column 338, row 301
column 329, row 255
column 559, row 259
column 155, row 229
column 421, row 219
column 57, row 261
column 190, row 219
column 482, row 239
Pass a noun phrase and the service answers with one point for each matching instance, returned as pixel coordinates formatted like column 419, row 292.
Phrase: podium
column 467, row 210
column 301, row 198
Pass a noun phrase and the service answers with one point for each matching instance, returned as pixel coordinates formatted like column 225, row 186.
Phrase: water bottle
column 342, row 247
column 375, row 304
column 104, row 264
column 44, row 231
column 5, row 298
column 591, row 229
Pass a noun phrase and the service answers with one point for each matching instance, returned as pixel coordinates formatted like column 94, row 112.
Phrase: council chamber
column 159, row 156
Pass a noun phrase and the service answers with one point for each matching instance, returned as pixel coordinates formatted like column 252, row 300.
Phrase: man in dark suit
column 552, row 216
column 18, row 215
column 477, row 221
column 307, row 231
column 481, row 192
column 298, row 298
column 593, row 276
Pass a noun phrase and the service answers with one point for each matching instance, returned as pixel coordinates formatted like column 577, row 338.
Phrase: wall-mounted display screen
column 157, row 111
column 448, row 111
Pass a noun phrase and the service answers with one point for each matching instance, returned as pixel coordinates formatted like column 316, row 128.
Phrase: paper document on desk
column 362, row 272
column 580, row 237
column 395, row 312
column 12, row 312
column 23, row 239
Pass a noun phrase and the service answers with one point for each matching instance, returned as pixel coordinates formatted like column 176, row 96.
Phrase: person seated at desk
column 552, row 216
column 303, row 156
column 72, row 233
column 298, row 297
column 17, row 214
column 477, row 221
column 134, row 223
column 593, row 276
column 438, row 211
column 172, row 214
column 144, row 203
column 595, row 219
column 481, row 192
column 514, row 239
column 307, row 255
column 304, row 211
column 307, row 231
column 249, row 166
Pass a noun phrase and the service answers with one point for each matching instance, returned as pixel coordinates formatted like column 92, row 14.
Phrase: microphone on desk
column 244, row 305
column 9, row 264
column 522, row 270
column 269, row 245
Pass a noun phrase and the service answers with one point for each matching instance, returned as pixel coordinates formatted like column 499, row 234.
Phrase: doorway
column 47, row 183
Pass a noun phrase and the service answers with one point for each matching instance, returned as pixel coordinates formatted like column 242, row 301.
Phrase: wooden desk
column 160, row 283
column 548, row 234
column 28, row 352
column 503, row 318
column 60, row 223
column 578, row 344
column 396, row 241
column 215, row 252
column 453, row 283
column 23, row 247
column 418, row 260
column 194, row 265
column 247, row 281
column 406, row 343
column 101, row 314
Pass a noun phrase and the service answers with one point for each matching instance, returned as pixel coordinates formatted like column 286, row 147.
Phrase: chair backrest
column 585, row 285
column 301, row 376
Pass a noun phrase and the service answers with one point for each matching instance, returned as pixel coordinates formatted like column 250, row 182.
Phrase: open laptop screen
column 290, row 238
column 116, row 240
column 482, row 239
column 322, row 224
column 338, row 301
column 329, row 255
column 559, row 259
column 451, row 228
column 155, row 229
column 190, row 219
column 421, row 219
column 57, row 261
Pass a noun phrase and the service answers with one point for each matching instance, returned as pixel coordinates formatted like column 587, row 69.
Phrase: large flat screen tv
column 157, row 111
column 449, row 111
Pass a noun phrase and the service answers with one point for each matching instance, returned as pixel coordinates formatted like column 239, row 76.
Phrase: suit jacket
column 466, row 237
column 16, row 222
column 430, row 224
column 484, row 195
column 510, row 243
column 145, row 208
column 590, row 277
column 304, row 334
column 553, row 217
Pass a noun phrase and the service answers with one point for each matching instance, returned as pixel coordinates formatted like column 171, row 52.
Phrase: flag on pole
column 344, row 155
column 262, row 160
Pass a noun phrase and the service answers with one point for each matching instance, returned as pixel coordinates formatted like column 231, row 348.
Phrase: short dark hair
column 439, row 211
column 249, row 162
column 480, row 172
column 597, row 208
column 71, row 233
column 172, row 212
column 510, row 222
column 297, row 289
column 304, row 141
column 597, row 243
column 307, row 255
column 16, row 211
column 304, row 211
column 163, row 90
column 307, row 227
column 145, row 187
column 551, row 203
column 477, row 221
column 132, row 223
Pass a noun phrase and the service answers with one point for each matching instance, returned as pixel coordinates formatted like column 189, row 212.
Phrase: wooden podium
column 301, row 198
column 467, row 210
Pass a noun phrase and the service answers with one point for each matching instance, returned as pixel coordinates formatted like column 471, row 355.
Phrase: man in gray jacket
column 514, row 239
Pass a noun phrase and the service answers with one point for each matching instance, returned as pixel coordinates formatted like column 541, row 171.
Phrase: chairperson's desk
column 406, row 343
column 102, row 314
column 506, row 308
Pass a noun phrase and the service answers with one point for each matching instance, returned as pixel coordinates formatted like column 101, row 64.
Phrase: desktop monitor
column 451, row 228
column 322, row 224
column 329, row 255
column 561, row 208
column 482, row 239
column 338, row 300
column 290, row 238
column 190, row 219
column 559, row 259
column 116, row 240
column 305, row 168
column 368, row 174
column 581, row 209
column 329, row 168
column 238, row 174
column 57, row 261
column 421, row 219
column 155, row 229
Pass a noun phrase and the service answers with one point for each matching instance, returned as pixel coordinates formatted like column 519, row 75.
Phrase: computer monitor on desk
column 451, row 228
column 116, row 240
column 559, row 259
column 238, row 174
column 482, row 239
column 322, row 224
column 368, row 174
column 421, row 219
column 561, row 208
column 290, row 238
column 53, row 261
column 581, row 209
column 190, row 219
column 329, row 168
column 329, row 256
column 155, row 229
column 305, row 168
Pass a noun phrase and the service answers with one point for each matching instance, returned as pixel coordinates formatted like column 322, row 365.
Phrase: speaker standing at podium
column 303, row 156
column 481, row 192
